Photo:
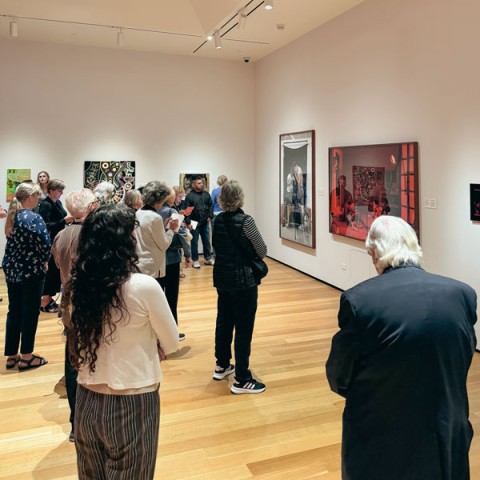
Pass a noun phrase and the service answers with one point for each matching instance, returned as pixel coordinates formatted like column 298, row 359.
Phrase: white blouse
column 130, row 360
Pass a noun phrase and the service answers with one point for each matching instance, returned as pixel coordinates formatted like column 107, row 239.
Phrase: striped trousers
column 116, row 436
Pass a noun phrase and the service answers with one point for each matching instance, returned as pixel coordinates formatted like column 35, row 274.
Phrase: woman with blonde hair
column 42, row 180
column 25, row 262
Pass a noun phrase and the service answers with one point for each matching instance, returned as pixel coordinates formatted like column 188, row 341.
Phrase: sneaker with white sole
column 181, row 337
column 250, row 386
column 196, row 265
column 210, row 261
column 221, row 373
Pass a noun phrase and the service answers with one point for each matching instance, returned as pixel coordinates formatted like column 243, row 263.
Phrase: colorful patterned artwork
column 121, row 174
column 15, row 176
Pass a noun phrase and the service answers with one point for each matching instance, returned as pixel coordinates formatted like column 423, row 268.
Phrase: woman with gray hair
column 24, row 264
column 152, row 234
column 105, row 191
column 237, row 241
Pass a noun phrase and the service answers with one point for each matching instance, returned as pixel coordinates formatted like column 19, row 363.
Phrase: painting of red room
column 372, row 180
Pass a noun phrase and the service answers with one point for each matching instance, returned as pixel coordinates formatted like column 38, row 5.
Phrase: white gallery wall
column 61, row 106
column 387, row 71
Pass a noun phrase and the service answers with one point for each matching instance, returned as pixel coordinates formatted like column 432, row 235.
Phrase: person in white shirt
column 122, row 328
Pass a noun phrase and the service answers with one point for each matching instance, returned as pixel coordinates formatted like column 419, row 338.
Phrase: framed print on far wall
column 297, row 187
column 372, row 180
column 475, row 202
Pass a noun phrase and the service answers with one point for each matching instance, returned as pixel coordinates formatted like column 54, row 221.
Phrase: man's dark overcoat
column 401, row 361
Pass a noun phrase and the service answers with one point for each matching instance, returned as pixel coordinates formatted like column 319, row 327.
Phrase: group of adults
column 400, row 359
column 112, row 261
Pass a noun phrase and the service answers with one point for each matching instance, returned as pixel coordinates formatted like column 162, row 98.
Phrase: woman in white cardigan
column 122, row 329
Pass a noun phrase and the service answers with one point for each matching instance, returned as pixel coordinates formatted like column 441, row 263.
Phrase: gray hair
column 55, row 184
column 23, row 192
column 231, row 196
column 395, row 242
column 132, row 198
column 79, row 201
column 155, row 192
column 104, row 192
column 221, row 180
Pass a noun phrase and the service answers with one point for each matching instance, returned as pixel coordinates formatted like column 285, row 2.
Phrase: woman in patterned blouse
column 24, row 263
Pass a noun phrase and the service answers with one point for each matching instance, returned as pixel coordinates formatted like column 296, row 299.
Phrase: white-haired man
column 401, row 360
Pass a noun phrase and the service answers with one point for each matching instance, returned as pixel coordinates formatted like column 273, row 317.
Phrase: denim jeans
column 236, row 310
column 22, row 318
column 204, row 233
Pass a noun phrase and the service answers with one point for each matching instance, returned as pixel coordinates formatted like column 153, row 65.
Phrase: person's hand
column 46, row 266
column 69, row 219
column 161, row 353
column 188, row 262
column 171, row 223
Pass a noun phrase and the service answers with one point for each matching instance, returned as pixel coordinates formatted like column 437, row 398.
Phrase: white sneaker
column 210, row 261
column 196, row 265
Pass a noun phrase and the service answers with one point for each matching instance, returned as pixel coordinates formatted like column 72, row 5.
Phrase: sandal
column 52, row 307
column 27, row 364
column 12, row 362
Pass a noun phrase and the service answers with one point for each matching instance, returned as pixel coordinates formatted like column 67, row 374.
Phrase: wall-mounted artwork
column 15, row 176
column 369, row 181
column 121, row 174
column 475, row 202
column 297, row 187
column 186, row 181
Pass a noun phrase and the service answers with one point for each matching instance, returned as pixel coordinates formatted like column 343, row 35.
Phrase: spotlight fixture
column 242, row 19
column 210, row 38
column 14, row 28
column 268, row 4
column 120, row 38
column 218, row 40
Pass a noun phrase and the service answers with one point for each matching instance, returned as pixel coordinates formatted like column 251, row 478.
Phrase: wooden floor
column 292, row 431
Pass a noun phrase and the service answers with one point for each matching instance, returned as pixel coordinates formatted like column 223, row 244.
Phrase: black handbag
column 258, row 266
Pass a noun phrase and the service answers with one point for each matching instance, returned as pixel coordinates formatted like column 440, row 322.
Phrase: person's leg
column 131, row 436
column 224, row 328
column 89, row 427
column 194, row 244
column 14, row 320
column 71, row 375
column 31, row 297
column 207, row 248
column 244, row 304
column 171, row 288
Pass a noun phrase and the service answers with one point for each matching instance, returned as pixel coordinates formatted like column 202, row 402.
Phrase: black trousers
column 22, row 318
column 70, row 383
column 236, row 311
column 170, row 284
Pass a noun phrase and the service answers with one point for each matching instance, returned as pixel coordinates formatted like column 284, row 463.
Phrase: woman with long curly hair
column 122, row 328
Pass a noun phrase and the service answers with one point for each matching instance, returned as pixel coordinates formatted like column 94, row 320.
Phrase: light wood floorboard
column 292, row 431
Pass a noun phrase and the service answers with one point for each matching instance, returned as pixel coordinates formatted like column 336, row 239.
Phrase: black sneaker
column 71, row 437
column 181, row 337
column 220, row 373
column 250, row 386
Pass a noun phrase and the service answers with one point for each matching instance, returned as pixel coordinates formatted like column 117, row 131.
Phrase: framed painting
column 297, row 187
column 185, row 181
column 121, row 174
column 15, row 176
column 372, row 180
column 475, row 202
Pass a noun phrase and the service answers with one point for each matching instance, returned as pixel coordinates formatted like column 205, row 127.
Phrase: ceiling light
column 14, row 28
column 210, row 38
column 268, row 4
column 218, row 40
column 120, row 38
column 242, row 18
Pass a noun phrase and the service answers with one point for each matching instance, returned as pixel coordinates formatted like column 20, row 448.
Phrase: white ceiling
column 177, row 27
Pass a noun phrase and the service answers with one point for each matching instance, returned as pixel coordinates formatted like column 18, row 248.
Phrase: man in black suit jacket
column 401, row 360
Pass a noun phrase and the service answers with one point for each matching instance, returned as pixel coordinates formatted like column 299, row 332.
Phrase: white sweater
column 152, row 243
column 131, row 359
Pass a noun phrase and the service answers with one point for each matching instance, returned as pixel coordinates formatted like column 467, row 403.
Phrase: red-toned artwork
column 369, row 181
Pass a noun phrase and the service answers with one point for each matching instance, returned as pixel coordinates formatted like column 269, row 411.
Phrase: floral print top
column 28, row 248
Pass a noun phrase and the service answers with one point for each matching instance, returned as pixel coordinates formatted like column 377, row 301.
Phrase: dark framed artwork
column 121, row 174
column 186, row 181
column 297, row 187
column 475, row 202
column 372, row 180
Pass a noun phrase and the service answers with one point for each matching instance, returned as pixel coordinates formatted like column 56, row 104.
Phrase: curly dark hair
column 105, row 260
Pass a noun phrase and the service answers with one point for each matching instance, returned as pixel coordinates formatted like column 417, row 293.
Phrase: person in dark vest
column 401, row 360
column 236, row 241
